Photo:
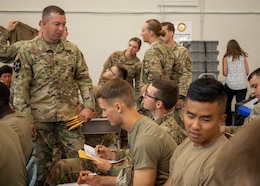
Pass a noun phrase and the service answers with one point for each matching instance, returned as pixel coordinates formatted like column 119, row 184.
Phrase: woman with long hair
column 235, row 68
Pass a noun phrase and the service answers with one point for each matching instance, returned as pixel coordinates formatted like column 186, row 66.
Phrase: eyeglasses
column 146, row 94
column 111, row 71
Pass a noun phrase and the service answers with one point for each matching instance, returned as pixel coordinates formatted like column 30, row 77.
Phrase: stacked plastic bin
column 204, row 58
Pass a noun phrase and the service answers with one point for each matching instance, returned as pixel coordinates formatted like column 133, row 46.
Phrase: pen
column 101, row 144
column 90, row 174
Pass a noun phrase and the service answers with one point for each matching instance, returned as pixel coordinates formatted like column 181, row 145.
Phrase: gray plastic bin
column 198, row 56
column 200, row 45
column 211, row 55
column 211, row 45
column 203, row 65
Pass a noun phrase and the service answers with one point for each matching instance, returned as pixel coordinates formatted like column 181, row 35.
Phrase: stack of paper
column 90, row 154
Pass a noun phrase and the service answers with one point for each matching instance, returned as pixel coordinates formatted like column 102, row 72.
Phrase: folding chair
column 102, row 126
column 208, row 74
column 31, row 168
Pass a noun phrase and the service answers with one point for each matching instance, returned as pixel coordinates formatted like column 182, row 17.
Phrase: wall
column 101, row 27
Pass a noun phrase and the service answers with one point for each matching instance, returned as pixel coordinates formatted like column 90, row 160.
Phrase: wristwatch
column 110, row 170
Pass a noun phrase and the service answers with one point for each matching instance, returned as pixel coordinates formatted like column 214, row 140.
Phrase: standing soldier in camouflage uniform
column 183, row 56
column 130, row 61
column 159, row 98
column 158, row 60
column 48, row 72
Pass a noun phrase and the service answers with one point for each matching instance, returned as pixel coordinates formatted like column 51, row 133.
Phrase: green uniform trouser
column 55, row 142
column 67, row 171
column 178, row 115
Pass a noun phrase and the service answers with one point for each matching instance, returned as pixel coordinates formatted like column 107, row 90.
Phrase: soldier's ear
column 43, row 23
column 159, row 104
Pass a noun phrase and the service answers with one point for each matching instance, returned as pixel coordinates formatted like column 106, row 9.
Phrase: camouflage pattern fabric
column 178, row 114
column 95, row 139
column 168, row 123
column 232, row 129
column 183, row 56
column 124, row 154
column 125, row 176
column 55, row 142
column 47, row 82
column 132, row 65
column 9, row 52
column 255, row 114
column 46, row 91
column 159, row 62
column 4, row 35
column 67, row 171
column 17, row 38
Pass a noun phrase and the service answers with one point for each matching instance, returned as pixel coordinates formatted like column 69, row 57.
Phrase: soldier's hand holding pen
column 86, row 177
column 103, row 152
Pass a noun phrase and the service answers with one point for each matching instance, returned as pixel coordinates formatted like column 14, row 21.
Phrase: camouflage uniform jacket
column 255, row 113
column 47, row 82
column 9, row 52
column 4, row 35
column 183, row 56
column 159, row 62
column 16, row 38
column 169, row 124
column 132, row 65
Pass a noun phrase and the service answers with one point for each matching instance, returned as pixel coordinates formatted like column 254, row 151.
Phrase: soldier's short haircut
column 4, row 94
column 170, row 26
column 121, row 71
column 168, row 92
column 51, row 9
column 117, row 89
column 208, row 90
column 254, row 73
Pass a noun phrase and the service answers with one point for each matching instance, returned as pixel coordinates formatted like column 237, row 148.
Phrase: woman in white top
column 235, row 68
